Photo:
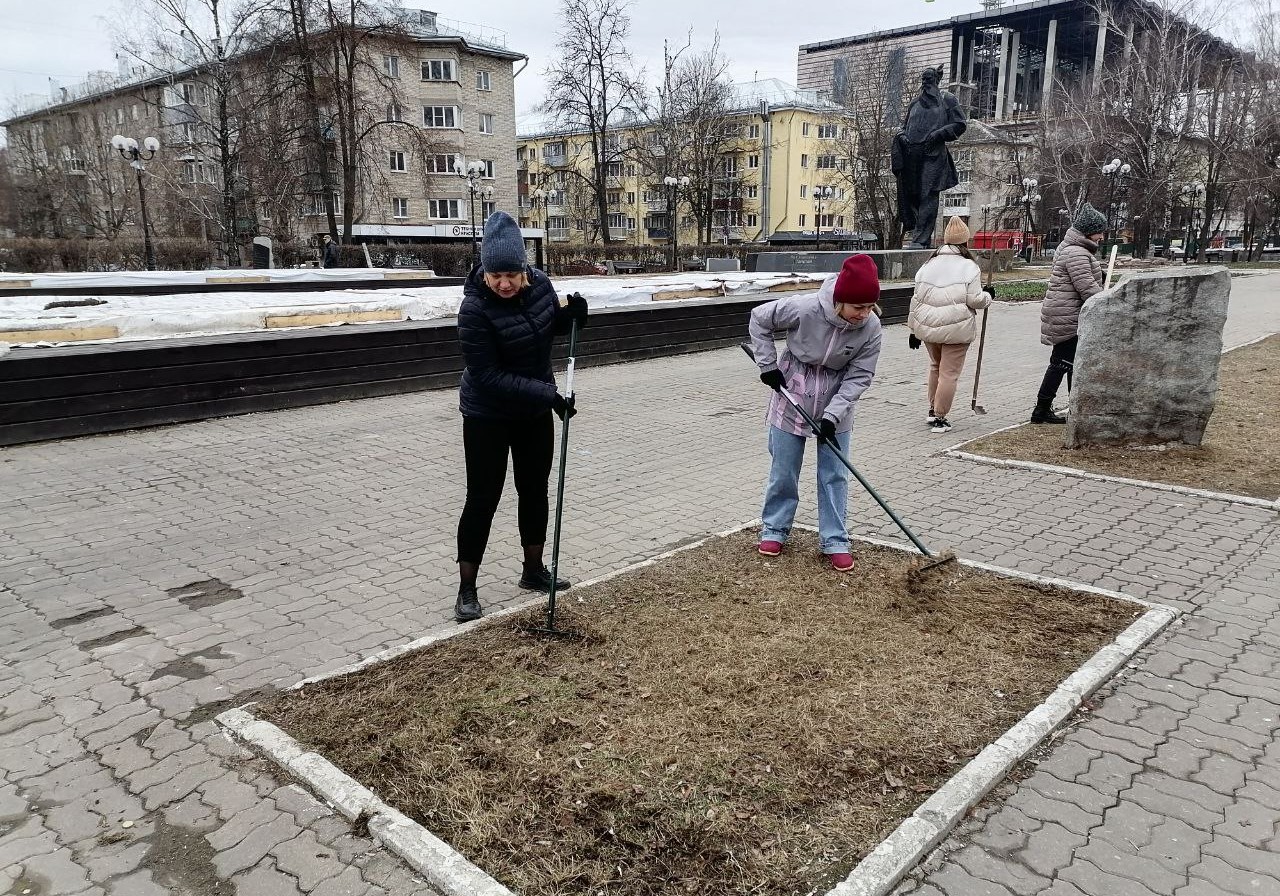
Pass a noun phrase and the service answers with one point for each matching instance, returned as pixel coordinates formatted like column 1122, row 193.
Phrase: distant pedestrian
column 508, row 319
column 1076, row 277
column 947, row 297
column 833, row 344
column 330, row 257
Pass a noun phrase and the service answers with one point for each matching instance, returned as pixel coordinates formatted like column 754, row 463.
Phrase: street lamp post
column 538, row 200
column 672, row 184
column 1029, row 198
column 473, row 173
column 135, row 156
column 1191, row 194
column 1116, row 171
column 819, row 195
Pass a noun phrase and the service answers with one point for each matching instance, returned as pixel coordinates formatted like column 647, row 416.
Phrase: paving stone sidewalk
column 149, row 580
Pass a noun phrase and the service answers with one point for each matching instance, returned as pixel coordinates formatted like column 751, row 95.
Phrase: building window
column 486, row 123
column 613, row 169
column 963, row 175
column 828, row 131
column 617, row 222
column 753, row 191
column 120, row 114
column 804, row 160
column 488, row 168
column 437, row 70
column 802, row 220
column 955, row 200
column 394, row 112
column 399, row 208
column 613, row 197
column 444, row 208
column 753, row 132
column 804, row 190
column 396, row 162
column 825, row 220
column 441, row 163
column 804, row 129
column 839, row 220
column 487, row 208
column 391, row 66
column 825, row 162
column 631, row 198
column 753, row 220
column 133, row 111
column 753, row 161
column 440, row 116
column 482, row 81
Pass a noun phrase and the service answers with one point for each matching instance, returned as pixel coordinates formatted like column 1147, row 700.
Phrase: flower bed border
column 876, row 875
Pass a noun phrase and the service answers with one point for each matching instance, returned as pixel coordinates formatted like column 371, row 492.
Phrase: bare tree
column 593, row 88
column 871, row 86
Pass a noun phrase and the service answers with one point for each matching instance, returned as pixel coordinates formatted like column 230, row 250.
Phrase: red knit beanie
column 859, row 282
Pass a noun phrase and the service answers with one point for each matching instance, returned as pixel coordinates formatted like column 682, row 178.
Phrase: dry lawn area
column 1239, row 455
column 725, row 724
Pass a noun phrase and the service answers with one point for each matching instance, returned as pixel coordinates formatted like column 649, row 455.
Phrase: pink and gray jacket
column 828, row 362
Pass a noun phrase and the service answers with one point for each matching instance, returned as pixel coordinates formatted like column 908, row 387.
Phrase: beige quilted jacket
column 948, row 294
column 1076, row 277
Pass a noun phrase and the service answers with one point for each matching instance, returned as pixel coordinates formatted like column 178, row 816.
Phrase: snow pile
column 201, row 314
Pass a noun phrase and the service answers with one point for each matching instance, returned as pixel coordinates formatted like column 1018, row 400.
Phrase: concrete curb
column 1101, row 477
column 453, row 874
column 935, row 818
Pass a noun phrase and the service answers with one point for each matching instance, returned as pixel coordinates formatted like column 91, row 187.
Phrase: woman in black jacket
column 508, row 318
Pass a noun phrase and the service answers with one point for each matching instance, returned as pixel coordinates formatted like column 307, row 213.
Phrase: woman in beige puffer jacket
column 943, row 317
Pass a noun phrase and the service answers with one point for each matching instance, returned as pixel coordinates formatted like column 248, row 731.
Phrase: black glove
column 913, row 342
column 577, row 308
column 991, row 289
column 773, row 379
column 828, row 429
column 563, row 407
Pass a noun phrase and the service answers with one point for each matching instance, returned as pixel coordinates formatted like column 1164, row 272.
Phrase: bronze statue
column 920, row 159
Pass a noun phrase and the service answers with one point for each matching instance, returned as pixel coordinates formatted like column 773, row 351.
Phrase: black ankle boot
column 1044, row 412
column 467, row 609
column 537, row 578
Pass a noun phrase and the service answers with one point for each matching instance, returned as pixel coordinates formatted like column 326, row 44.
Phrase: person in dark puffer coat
column 1076, row 277
column 507, row 321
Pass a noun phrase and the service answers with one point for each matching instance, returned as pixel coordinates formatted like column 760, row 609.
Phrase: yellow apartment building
column 781, row 177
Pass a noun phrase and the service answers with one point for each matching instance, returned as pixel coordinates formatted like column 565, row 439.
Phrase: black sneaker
column 467, row 609
column 540, row 580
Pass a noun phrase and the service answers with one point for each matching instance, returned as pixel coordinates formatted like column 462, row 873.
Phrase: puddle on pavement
column 188, row 665
column 114, row 638
column 86, row 616
column 208, row 593
column 28, row 885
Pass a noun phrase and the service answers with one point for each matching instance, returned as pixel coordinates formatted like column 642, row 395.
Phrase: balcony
column 656, row 205
column 556, row 160
column 558, row 234
column 658, row 233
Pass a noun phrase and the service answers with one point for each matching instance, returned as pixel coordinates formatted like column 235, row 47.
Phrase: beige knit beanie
column 957, row 232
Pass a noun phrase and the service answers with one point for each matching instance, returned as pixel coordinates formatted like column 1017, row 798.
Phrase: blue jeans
column 782, row 495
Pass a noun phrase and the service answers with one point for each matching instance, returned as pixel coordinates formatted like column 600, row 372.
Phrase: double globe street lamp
column 135, row 156
column 1116, row 170
column 1028, row 199
column 672, row 184
column 474, row 173
column 820, row 194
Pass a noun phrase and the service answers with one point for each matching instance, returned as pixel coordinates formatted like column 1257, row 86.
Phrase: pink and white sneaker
column 842, row 562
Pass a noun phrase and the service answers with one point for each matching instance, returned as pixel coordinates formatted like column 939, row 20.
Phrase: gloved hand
column 828, row 428
column 563, row 407
column 990, row 290
column 577, row 307
column 773, row 379
column 913, row 342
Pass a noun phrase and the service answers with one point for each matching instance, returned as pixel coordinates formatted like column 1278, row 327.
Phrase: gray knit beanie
column 1089, row 220
column 503, row 248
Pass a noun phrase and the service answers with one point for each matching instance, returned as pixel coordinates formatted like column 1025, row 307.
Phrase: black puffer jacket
column 506, row 345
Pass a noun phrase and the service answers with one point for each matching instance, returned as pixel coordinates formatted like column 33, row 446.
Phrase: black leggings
column 486, row 444
column 1061, row 362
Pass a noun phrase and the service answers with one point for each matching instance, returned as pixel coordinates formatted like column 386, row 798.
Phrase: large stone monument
column 921, row 161
column 1146, row 370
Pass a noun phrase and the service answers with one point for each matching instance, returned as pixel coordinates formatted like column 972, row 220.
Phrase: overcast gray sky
column 65, row 39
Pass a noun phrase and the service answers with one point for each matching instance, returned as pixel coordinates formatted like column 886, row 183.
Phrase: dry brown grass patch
column 727, row 725
column 1239, row 455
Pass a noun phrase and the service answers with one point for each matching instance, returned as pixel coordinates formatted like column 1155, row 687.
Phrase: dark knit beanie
column 503, row 248
column 859, row 282
column 1089, row 220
